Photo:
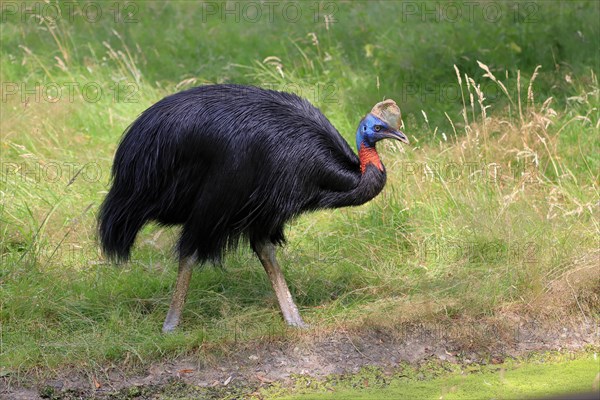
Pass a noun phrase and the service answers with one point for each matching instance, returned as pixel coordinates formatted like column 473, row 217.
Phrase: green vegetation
column 493, row 206
column 512, row 380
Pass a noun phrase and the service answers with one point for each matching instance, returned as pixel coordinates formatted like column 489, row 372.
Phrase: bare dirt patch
column 237, row 369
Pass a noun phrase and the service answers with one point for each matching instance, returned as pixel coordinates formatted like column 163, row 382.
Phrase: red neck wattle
column 368, row 155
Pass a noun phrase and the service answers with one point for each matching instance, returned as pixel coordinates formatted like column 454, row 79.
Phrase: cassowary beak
column 397, row 135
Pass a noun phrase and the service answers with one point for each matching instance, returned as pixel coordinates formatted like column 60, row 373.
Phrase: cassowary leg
column 181, row 287
column 266, row 254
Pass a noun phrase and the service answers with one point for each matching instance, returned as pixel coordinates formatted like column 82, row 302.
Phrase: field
column 489, row 217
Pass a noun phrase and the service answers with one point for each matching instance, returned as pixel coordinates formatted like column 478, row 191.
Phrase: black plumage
column 228, row 162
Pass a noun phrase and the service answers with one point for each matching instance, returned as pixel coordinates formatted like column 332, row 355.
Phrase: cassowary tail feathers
column 118, row 226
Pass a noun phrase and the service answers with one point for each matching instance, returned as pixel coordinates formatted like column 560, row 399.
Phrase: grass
column 511, row 380
column 494, row 205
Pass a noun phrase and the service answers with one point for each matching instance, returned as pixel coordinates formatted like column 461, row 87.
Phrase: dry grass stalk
column 519, row 95
column 471, row 99
column 462, row 95
column 530, row 88
column 488, row 74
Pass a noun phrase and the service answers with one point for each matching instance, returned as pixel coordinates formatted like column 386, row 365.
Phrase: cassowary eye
column 377, row 128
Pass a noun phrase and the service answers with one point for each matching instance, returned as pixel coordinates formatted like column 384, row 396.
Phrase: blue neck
column 359, row 138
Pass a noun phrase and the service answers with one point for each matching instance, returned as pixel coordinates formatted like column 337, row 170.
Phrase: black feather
column 226, row 162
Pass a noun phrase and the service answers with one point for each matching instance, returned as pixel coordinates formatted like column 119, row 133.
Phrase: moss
column 510, row 380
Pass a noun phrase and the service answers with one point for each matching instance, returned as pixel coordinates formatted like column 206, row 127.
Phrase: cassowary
column 230, row 162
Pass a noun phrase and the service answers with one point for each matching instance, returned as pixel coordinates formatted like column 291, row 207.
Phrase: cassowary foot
column 171, row 322
column 300, row 324
column 266, row 254
column 184, row 276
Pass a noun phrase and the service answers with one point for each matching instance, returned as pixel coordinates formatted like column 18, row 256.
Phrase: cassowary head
column 383, row 122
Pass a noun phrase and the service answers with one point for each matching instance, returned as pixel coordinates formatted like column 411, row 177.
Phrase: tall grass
column 493, row 203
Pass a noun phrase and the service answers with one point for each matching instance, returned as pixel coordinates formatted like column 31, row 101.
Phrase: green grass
column 512, row 380
column 482, row 214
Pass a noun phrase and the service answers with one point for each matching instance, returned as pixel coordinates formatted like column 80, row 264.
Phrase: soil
column 237, row 369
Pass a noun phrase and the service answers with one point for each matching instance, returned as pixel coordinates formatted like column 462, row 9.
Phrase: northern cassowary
column 230, row 162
